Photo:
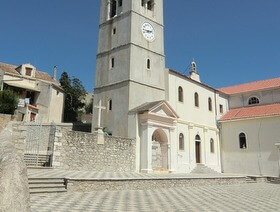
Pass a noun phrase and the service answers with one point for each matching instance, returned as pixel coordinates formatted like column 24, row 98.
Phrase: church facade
column 174, row 118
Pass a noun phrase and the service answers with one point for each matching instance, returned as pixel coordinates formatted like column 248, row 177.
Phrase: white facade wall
column 196, row 121
column 261, row 155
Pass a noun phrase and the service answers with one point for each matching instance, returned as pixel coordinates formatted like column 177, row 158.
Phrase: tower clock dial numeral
column 148, row 32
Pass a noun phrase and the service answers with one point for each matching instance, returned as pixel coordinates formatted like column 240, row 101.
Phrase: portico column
column 146, row 149
column 278, row 146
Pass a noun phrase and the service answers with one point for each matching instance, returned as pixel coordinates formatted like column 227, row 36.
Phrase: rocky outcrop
column 14, row 191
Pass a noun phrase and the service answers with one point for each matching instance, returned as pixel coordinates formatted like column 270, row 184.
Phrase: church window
column 242, row 141
column 210, row 104
column 113, row 11
column 212, row 148
column 150, row 4
column 120, row 3
column 148, row 64
column 221, row 109
column 180, row 94
column 114, row 30
column 181, row 142
column 110, row 105
column 112, row 62
column 196, row 99
column 254, row 100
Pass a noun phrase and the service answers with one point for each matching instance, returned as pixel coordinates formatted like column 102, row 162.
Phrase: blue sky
column 232, row 41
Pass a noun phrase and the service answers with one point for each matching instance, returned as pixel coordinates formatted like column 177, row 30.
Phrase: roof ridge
column 246, row 83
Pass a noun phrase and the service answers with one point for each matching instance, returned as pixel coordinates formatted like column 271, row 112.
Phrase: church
column 179, row 122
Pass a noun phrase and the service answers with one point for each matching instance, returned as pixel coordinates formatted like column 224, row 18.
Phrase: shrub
column 8, row 102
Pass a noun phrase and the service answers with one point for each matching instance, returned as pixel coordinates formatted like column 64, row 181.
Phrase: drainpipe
column 278, row 146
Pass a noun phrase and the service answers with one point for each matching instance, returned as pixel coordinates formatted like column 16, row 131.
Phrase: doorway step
column 202, row 169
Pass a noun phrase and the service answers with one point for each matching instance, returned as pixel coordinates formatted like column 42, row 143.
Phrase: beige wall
column 266, row 97
column 261, row 156
column 56, row 106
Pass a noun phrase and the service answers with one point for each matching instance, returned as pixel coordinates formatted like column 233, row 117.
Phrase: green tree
column 89, row 107
column 74, row 97
column 8, row 102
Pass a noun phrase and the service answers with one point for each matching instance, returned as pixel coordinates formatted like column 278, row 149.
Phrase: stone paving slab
column 59, row 173
column 244, row 197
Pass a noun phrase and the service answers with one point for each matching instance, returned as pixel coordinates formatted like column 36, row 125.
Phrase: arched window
column 197, row 138
column 110, row 105
column 181, row 142
column 196, row 99
column 254, row 100
column 242, row 141
column 212, row 147
column 148, row 64
column 180, row 94
column 210, row 104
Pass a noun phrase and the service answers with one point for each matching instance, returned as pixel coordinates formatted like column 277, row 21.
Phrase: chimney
column 54, row 72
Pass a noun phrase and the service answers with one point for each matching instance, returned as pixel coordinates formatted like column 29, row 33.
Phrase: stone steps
column 31, row 160
column 250, row 180
column 46, row 185
column 202, row 169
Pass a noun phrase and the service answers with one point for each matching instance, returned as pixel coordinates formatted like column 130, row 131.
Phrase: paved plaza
column 238, row 197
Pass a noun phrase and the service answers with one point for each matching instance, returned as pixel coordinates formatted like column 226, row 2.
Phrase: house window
column 112, row 62
column 221, row 109
column 212, row 148
column 120, row 3
column 181, row 142
column 148, row 64
column 242, row 141
column 180, row 94
column 113, row 11
column 28, row 71
column 110, row 105
column 254, row 100
column 210, row 104
column 196, row 99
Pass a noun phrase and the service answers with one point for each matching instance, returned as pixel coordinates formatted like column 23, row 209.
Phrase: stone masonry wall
column 80, row 151
column 4, row 120
column 14, row 195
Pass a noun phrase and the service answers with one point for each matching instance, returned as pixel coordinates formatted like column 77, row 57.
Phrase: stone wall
column 146, row 184
column 14, row 195
column 81, row 151
column 4, row 120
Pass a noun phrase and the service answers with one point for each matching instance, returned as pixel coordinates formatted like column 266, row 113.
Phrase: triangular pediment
column 163, row 109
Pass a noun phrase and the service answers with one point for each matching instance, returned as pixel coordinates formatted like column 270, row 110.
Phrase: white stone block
column 56, row 164
column 56, row 153
column 58, row 134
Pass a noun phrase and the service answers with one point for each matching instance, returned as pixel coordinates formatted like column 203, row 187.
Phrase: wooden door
column 197, row 152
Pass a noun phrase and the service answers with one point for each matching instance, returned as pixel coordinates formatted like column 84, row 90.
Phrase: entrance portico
column 157, row 123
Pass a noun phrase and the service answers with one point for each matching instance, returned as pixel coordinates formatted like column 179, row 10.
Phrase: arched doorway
column 159, row 150
column 198, row 149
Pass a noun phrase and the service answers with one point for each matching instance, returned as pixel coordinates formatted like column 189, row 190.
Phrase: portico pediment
column 157, row 113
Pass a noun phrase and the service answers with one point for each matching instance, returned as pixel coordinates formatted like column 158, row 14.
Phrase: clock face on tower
column 148, row 31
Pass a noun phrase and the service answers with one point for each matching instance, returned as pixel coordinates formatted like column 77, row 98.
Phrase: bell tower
column 130, row 64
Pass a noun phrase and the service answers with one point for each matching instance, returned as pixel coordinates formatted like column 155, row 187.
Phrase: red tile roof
column 7, row 68
column 252, row 112
column 252, row 86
